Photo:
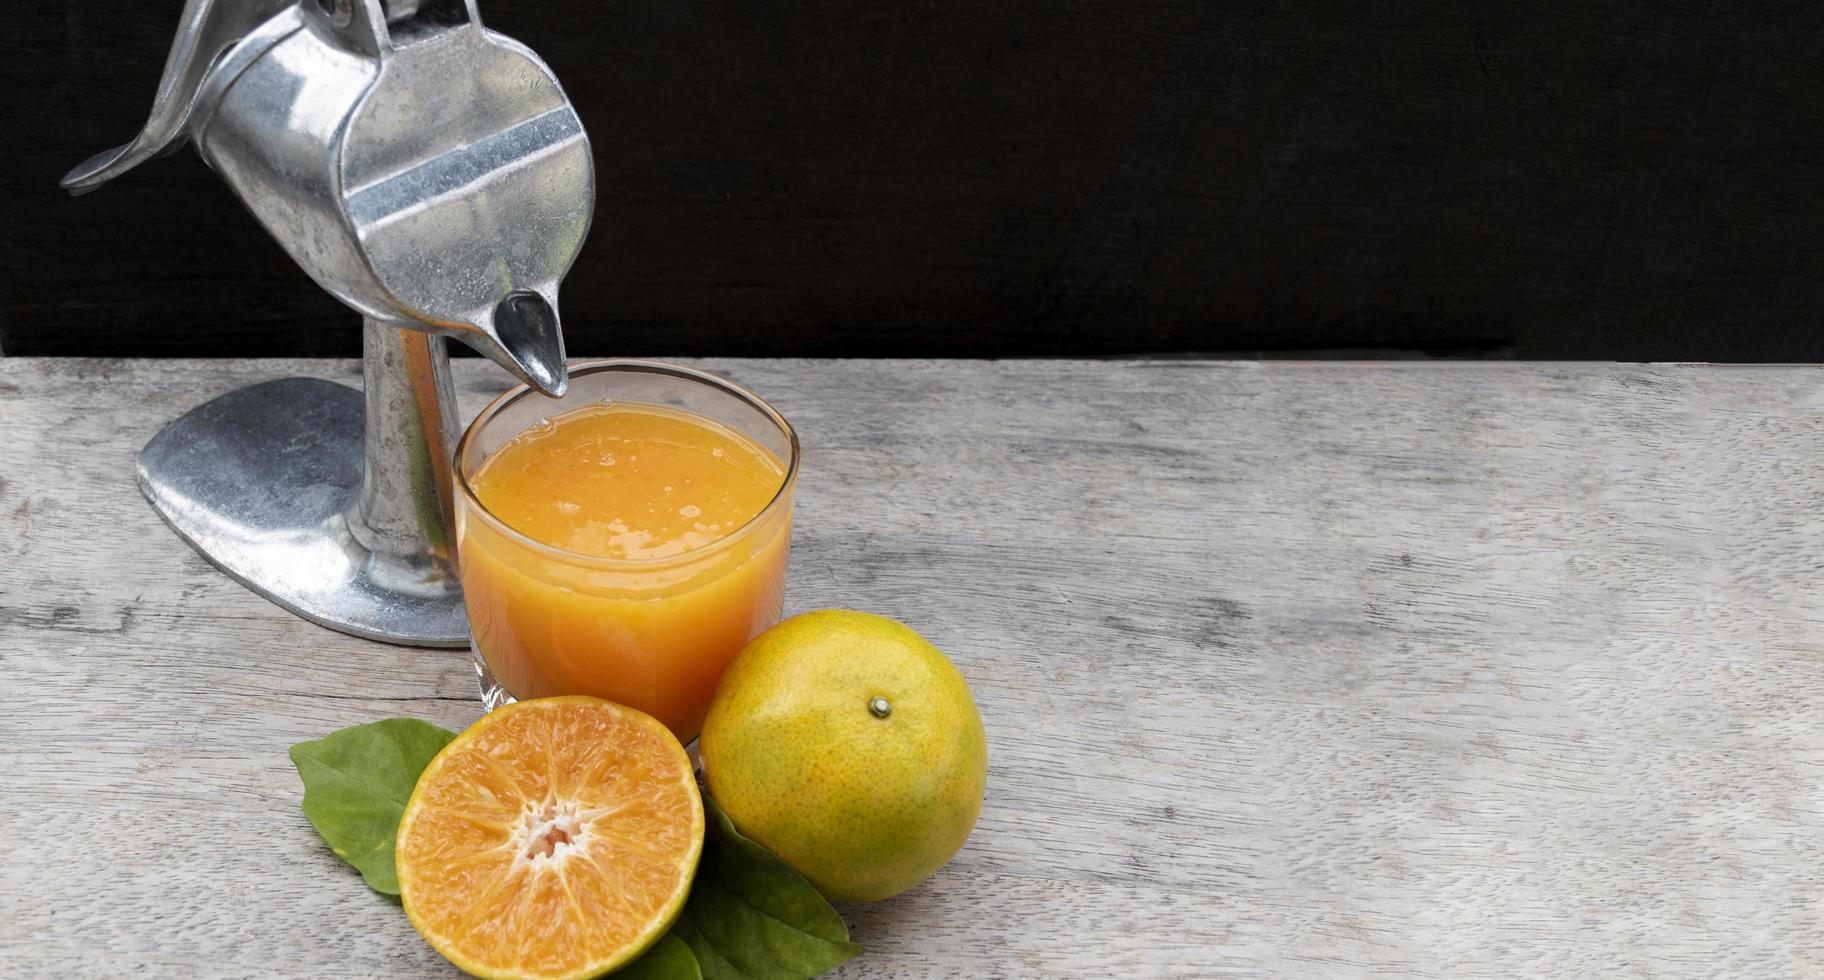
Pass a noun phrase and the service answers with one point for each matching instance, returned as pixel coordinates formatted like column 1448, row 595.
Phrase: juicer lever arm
column 208, row 28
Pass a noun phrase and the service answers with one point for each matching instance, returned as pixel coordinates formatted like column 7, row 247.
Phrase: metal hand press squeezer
column 432, row 175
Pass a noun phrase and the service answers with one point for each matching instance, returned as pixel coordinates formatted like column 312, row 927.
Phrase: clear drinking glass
column 654, row 634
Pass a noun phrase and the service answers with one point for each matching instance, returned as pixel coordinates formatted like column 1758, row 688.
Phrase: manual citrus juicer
column 432, row 175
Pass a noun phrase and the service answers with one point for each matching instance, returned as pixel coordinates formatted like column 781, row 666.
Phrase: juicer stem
column 403, row 515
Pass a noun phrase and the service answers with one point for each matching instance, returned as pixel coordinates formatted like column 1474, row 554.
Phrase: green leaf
column 751, row 917
column 668, row 959
column 356, row 784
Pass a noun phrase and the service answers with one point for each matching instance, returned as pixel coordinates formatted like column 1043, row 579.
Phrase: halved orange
column 554, row 838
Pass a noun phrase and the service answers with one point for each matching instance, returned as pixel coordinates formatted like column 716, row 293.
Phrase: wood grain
column 1609, row 178
column 1288, row 670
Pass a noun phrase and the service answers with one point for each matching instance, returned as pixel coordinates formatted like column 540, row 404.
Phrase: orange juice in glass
column 625, row 540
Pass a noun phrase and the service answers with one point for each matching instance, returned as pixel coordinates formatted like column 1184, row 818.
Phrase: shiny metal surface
column 208, row 28
column 432, row 175
column 261, row 481
column 402, row 516
column 442, row 184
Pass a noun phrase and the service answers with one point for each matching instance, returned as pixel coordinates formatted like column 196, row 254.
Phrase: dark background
column 960, row 177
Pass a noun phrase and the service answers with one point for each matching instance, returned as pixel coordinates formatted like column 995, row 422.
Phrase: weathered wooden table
column 1297, row 669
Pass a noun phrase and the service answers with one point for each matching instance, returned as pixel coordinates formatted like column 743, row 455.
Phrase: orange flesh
column 625, row 481
column 555, row 838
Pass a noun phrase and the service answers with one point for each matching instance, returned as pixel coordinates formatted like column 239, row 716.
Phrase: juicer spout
column 523, row 335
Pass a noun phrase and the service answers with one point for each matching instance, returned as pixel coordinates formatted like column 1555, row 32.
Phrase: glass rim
column 631, row 365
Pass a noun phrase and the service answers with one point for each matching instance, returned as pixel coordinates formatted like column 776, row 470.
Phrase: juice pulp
column 672, row 579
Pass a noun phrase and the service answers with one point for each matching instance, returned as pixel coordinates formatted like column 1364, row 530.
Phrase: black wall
column 1576, row 179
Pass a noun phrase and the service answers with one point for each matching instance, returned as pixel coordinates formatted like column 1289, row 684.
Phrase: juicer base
column 261, row 481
